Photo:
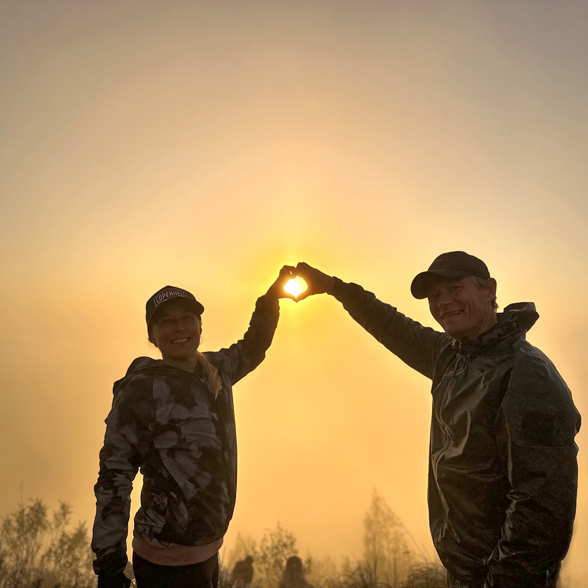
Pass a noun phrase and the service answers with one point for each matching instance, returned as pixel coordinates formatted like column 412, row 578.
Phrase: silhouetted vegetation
column 388, row 546
column 43, row 550
column 40, row 550
column 268, row 557
column 392, row 559
column 425, row 575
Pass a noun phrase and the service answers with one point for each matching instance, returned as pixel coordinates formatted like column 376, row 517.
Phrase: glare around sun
column 295, row 286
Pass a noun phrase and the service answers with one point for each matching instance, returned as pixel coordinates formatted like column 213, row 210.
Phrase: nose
column 444, row 299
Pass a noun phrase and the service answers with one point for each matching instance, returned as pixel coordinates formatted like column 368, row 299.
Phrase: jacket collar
column 516, row 319
column 157, row 367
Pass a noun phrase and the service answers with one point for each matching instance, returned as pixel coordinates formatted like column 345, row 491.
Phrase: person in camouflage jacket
column 174, row 419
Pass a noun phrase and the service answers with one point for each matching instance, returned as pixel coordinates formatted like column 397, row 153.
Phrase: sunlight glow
column 295, row 286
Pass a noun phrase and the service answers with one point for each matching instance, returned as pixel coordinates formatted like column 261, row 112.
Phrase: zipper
column 447, row 435
column 442, row 426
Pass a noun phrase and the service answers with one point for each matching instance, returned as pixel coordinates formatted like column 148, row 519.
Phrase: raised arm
column 417, row 346
column 244, row 356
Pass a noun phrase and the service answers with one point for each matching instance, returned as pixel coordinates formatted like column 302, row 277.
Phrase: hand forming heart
column 296, row 286
column 297, row 283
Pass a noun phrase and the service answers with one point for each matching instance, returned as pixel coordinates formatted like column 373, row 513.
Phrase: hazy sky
column 204, row 145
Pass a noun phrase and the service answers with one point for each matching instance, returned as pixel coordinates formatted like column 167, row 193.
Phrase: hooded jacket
column 167, row 422
column 502, row 465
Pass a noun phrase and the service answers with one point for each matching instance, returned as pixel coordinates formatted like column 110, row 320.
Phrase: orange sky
column 206, row 144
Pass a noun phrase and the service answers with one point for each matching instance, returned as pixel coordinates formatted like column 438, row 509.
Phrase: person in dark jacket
column 174, row 419
column 502, row 466
column 293, row 576
column 242, row 574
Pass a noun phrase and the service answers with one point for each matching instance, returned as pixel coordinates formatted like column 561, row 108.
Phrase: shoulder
column 220, row 360
column 530, row 365
column 134, row 392
column 537, row 400
column 139, row 377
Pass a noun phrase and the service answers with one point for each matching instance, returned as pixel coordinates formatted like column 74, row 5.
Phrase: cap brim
column 425, row 280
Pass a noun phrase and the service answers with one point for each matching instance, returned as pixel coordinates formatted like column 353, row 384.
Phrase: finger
column 287, row 272
column 304, row 295
column 278, row 291
column 281, row 283
column 303, row 269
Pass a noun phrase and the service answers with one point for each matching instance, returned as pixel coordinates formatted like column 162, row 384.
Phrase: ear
column 152, row 340
column 492, row 283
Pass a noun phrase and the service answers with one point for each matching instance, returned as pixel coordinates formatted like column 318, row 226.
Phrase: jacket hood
column 523, row 314
column 143, row 365
column 517, row 318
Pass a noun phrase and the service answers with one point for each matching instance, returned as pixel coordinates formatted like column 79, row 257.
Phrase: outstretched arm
column 418, row 346
column 245, row 355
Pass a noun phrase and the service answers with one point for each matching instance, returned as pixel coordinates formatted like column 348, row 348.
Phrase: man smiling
column 502, row 465
column 461, row 293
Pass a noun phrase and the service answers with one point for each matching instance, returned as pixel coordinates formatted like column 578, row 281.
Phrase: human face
column 461, row 308
column 176, row 333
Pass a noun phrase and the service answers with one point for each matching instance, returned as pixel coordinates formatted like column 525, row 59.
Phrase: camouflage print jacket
column 167, row 422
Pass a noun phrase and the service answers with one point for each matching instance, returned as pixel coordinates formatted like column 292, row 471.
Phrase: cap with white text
column 168, row 294
column 453, row 265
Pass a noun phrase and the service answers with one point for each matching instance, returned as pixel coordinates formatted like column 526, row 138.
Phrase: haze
column 206, row 144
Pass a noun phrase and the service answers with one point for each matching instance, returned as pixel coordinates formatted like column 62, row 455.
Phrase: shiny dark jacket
column 502, row 471
column 168, row 422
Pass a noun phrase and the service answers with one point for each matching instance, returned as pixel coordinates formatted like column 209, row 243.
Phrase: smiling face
column 462, row 308
column 176, row 333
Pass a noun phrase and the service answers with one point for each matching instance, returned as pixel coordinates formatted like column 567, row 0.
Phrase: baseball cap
column 167, row 294
column 453, row 265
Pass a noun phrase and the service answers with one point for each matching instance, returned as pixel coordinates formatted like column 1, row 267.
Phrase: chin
column 456, row 334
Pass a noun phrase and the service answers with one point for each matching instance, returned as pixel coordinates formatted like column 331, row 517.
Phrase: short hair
column 482, row 284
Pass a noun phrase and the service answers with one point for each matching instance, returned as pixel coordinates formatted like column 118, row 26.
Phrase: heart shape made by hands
column 296, row 286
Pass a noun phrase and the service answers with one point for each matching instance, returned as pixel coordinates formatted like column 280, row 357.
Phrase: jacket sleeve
column 418, row 346
column 119, row 462
column 536, row 424
column 245, row 355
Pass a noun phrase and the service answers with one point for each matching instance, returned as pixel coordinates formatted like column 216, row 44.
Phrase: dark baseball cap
column 167, row 294
column 453, row 265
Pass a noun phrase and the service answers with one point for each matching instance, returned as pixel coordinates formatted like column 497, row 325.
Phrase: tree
column 359, row 574
column 39, row 550
column 322, row 571
column 385, row 539
column 275, row 548
column 269, row 556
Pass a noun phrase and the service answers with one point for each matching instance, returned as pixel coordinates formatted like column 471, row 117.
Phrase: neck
column 490, row 321
column 187, row 365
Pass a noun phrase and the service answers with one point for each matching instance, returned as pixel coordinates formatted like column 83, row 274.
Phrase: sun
column 295, row 286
